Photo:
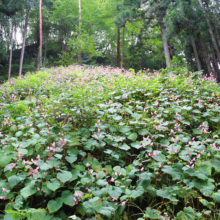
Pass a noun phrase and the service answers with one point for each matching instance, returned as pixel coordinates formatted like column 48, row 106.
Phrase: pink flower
column 4, row 189
column 38, row 157
column 90, row 172
column 88, row 165
column 113, row 179
column 123, row 203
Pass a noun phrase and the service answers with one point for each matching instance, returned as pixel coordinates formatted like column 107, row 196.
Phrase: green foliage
column 100, row 143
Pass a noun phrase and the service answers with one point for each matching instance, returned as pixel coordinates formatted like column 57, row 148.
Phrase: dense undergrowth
column 102, row 143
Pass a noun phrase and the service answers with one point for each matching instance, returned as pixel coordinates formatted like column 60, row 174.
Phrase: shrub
column 102, row 143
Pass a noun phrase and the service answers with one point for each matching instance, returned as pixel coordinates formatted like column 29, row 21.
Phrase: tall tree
column 205, row 54
column 210, row 31
column 118, row 48
column 80, row 17
column 11, row 49
column 165, row 43
column 199, row 67
column 41, row 36
column 24, row 40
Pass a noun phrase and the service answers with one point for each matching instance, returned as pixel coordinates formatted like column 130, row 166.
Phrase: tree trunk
column 211, row 33
column 118, row 49
column 205, row 54
column 24, row 39
column 41, row 36
column 165, row 44
column 171, row 51
column 0, row 34
column 142, row 49
column 15, row 36
column 46, row 39
column 11, row 49
column 199, row 67
column 61, row 40
column 79, row 54
column 217, row 35
column 123, row 44
column 214, row 64
column 66, row 43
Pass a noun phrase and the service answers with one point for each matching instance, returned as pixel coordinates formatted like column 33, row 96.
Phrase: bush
column 101, row 143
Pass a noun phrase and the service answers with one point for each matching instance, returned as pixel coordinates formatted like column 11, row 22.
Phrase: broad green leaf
column 28, row 191
column 101, row 183
column 45, row 166
column 164, row 193
column 160, row 158
column 68, row 198
column 107, row 211
column 36, row 214
column 64, row 176
column 136, row 144
column 115, row 191
column 55, row 130
column 13, row 180
column 133, row 136
column 8, row 217
column 164, row 142
column 124, row 147
column 144, row 183
column 22, row 151
column 216, row 164
column 55, row 205
column 186, row 214
column 124, row 129
column 96, row 203
column 71, row 158
column 4, row 160
column 53, row 185
column 152, row 214
column 85, row 132
column 216, row 197
column 138, row 192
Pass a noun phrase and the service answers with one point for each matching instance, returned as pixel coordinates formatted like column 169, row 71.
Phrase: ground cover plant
column 103, row 143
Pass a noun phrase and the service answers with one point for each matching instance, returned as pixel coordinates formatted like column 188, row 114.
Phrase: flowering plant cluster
column 102, row 143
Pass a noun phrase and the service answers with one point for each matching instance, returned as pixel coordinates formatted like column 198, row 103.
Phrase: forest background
column 137, row 34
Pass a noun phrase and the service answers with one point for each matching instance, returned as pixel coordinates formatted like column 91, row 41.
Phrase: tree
column 196, row 54
column 41, row 36
column 24, row 40
column 80, row 55
column 165, row 43
column 11, row 50
column 210, row 31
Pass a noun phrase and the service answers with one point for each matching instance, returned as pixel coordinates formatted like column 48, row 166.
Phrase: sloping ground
column 101, row 143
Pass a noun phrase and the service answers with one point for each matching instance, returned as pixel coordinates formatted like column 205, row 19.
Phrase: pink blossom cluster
column 151, row 154
column 7, row 122
column 77, row 198
column 141, row 168
column 11, row 166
